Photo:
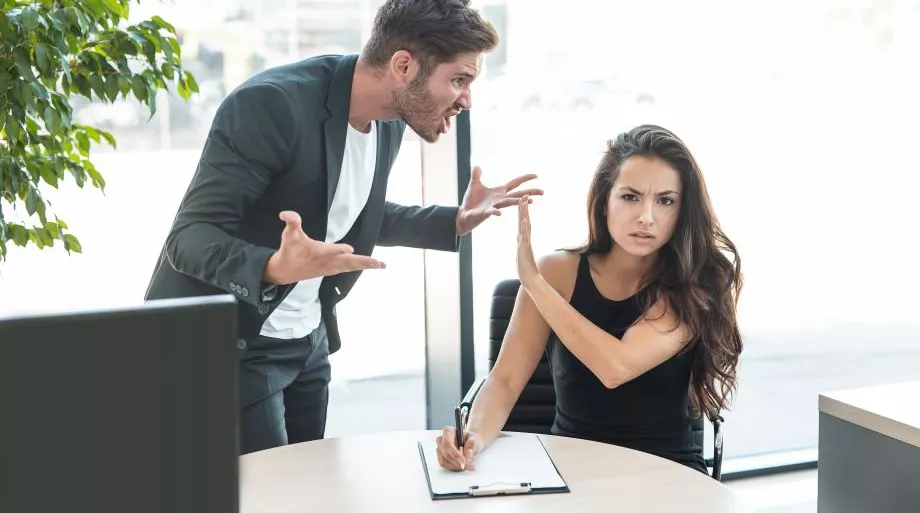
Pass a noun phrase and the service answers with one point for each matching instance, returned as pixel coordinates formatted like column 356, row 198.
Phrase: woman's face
column 644, row 204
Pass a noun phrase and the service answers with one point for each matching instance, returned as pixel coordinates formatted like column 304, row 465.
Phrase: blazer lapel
column 335, row 127
column 381, row 171
column 367, row 225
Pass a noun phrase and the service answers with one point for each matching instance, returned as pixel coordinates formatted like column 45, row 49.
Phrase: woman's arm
column 522, row 348
column 614, row 361
column 648, row 343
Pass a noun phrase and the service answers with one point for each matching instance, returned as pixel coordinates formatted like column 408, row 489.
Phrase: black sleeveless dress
column 650, row 413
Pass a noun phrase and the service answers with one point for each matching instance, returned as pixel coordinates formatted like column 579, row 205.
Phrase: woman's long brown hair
column 692, row 273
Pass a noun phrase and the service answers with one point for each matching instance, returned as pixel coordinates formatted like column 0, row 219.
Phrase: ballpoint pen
column 458, row 435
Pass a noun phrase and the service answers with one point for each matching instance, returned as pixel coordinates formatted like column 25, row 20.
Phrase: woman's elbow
column 611, row 382
column 614, row 376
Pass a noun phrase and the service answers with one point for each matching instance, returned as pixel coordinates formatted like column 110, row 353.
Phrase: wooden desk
column 383, row 472
column 869, row 449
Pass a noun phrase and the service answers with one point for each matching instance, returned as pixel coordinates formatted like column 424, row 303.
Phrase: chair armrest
column 470, row 396
column 717, row 448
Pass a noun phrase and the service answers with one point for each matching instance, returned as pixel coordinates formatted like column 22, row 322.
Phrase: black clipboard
column 547, row 479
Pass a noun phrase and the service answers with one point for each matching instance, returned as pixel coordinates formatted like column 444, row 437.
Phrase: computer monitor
column 121, row 410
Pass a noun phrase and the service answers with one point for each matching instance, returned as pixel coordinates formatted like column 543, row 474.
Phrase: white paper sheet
column 511, row 459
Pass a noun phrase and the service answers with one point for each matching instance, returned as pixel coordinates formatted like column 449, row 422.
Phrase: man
column 313, row 143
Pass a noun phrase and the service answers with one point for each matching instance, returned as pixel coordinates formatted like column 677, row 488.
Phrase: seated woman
column 639, row 323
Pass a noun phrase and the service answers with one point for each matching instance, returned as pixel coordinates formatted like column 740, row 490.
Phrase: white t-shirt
column 299, row 314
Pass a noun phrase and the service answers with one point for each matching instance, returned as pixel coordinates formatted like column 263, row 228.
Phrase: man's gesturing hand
column 301, row 258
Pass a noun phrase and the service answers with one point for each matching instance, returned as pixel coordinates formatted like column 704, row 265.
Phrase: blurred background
column 803, row 116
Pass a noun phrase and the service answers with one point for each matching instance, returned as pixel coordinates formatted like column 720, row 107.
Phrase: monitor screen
column 130, row 409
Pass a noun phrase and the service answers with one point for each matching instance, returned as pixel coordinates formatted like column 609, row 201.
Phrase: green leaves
column 72, row 244
column 111, row 87
column 50, row 50
column 27, row 19
column 187, row 86
column 139, row 87
column 23, row 63
column 43, row 59
column 12, row 129
column 52, row 120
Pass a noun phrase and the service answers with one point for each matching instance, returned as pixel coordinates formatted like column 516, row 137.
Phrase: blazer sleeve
column 432, row 227
column 250, row 141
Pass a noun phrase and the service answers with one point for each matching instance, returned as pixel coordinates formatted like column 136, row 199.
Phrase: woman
column 640, row 321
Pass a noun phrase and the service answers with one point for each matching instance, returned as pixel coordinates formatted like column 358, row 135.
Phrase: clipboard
column 515, row 464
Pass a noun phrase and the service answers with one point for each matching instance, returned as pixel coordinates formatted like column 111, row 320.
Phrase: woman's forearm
column 491, row 409
column 600, row 351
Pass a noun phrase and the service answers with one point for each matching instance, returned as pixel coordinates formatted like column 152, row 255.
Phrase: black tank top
column 649, row 414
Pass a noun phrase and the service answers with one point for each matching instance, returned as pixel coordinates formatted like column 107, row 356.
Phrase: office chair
column 535, row 409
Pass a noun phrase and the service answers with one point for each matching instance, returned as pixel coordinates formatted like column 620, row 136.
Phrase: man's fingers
column 290, row 216
column 514, row 198
column 508, row 202
column 291, row 221
column 358, row 263
column 515, row 183
column 476, row 174
column 340, row 249
column 525, row 192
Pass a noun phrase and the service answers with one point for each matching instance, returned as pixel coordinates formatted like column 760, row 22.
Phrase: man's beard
column 419, row 109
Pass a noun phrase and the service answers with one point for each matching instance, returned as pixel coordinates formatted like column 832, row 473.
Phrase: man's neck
column 371, row 98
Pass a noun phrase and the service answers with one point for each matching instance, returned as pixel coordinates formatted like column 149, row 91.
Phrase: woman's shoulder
column 560, row 270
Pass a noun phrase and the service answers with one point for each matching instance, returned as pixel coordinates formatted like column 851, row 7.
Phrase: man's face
column 428, row 103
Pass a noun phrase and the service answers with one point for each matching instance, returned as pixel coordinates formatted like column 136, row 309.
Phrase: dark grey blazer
column 277, row 143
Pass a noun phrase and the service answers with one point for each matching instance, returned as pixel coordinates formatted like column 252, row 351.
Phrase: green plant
column 50, row 50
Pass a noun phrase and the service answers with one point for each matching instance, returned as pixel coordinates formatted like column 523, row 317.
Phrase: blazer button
column 263, row 309
column 241, row 343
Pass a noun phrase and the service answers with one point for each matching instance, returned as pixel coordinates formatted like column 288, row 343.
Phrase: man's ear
column 403, row 66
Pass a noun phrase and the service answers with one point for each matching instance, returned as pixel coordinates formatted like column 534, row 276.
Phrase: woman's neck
column 628, row 270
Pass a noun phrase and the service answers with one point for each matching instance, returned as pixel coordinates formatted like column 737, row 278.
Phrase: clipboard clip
column 499, row 489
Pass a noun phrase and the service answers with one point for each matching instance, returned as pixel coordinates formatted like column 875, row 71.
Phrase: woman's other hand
column 450, row 457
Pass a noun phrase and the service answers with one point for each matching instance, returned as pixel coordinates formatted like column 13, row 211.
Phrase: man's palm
column 481, row 202
column 300, row 258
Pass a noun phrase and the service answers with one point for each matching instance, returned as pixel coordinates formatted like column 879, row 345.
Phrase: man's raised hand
column 300, row 258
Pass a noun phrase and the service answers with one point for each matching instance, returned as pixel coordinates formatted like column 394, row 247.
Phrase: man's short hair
column 433, row 31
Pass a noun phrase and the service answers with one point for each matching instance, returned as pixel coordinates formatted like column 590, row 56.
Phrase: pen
column 458, row 435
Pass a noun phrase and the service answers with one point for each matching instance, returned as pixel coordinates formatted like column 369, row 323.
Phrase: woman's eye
column 667, row 201
column 629, row 197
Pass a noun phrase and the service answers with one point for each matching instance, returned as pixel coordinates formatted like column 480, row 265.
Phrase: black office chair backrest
column 536, row 408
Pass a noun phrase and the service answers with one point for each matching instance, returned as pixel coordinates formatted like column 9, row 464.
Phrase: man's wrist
column 271, row 273
column 458, row 229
